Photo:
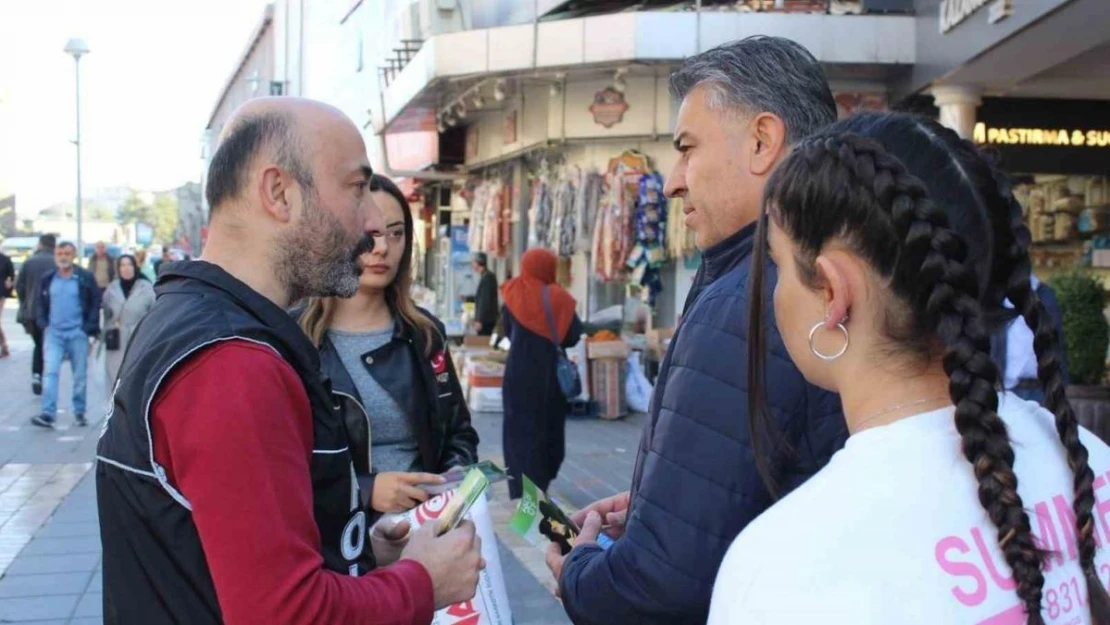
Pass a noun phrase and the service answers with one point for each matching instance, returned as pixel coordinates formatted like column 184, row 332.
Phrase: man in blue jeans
column 67, row 310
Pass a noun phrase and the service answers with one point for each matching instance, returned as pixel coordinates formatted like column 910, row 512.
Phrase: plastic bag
column 637, row 389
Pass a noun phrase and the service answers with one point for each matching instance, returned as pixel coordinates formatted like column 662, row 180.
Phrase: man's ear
column 768, row 143
column 277, row 193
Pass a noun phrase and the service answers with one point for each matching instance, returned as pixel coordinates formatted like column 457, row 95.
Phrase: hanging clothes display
column 563, row 207
column 614, row 234
column 585, row 206
column 564, row 219
column 478, row 203
column 490, row 219
column 505, row 221
column 491, row 230
column 680, row 239
column 539, row 212
column 650, row 250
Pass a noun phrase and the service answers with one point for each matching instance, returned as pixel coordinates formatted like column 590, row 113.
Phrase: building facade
column 1030, row 81
column 464, row 101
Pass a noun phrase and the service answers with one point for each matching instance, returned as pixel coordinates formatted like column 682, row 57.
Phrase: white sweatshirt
column 891, row 531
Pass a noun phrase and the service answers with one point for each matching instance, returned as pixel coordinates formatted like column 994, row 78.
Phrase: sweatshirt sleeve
column 233, row 430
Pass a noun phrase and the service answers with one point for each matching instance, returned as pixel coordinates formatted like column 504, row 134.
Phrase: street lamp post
column 77, row 48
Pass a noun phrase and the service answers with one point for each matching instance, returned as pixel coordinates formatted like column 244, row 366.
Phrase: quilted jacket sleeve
column 700, row 486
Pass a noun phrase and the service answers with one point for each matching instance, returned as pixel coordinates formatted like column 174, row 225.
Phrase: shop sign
column 1036, row 136
column 460, row 240
column 1041, row 136
column 954, row 12
column 144, row 234
column 609, row 107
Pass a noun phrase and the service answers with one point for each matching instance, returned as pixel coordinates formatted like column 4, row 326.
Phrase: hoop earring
column 827, row 357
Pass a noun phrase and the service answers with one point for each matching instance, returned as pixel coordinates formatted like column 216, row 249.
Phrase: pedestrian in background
column 7, row 286
column 67, row 310
column 126, row 301
column 697, row 482
column 102, row 266
column 485, row 297
column 538, row 318
column 146, row 266
column 160, row 264
column 391, row 372
column 1012, row 347
column 224, row 480
column 26, row 287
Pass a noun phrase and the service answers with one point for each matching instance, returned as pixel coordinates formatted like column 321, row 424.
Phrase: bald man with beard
column 225, row 488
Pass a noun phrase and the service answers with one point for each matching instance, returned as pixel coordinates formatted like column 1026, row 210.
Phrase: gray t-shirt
column 393, row 445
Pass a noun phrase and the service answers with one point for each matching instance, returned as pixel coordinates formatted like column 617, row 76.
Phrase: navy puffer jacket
column 696, row 485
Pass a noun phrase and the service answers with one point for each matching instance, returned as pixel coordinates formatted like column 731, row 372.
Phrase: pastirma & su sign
column 1041, row 136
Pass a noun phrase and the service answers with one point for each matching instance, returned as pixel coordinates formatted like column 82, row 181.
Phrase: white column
column 958, row 105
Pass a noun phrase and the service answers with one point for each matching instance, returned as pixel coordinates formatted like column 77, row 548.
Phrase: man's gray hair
column 762, row 74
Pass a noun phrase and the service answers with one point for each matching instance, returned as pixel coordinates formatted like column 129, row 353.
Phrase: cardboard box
column 473, row 340
column 607, row 387
column 607, row 349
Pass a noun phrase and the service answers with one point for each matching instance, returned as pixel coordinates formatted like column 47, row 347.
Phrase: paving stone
column 21, row 609
column 63, row 530
column 92, row 604
column 45, row 584
column 62, row 546
column 77, row 563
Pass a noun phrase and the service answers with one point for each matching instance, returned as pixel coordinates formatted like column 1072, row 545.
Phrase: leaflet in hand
column 456, row 475
column 471, row 488
column 537, row 518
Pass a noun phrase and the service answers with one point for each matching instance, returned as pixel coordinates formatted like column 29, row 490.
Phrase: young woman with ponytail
column 950, row 502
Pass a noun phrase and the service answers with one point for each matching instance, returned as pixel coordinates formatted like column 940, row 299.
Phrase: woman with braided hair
column 950, row 503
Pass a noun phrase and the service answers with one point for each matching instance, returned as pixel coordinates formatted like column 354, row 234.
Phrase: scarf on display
column 523, row 295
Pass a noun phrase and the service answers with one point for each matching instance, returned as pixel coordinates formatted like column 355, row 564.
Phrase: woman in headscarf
column 535, row 408
column 127, row 300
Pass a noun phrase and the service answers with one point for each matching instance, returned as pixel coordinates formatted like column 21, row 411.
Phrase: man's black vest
column 154, row 567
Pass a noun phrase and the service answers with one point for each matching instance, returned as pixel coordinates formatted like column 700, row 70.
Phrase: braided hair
column 845, row 187
column 957, row 174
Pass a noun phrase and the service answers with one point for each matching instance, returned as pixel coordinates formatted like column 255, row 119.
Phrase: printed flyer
column 490, row 605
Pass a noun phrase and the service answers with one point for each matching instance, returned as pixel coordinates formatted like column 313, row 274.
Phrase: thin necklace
column 886, row 411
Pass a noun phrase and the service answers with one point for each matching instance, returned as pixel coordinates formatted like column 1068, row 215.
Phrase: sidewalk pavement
column 50, row 535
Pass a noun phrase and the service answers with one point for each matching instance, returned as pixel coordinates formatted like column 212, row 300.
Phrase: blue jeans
column 75, row 346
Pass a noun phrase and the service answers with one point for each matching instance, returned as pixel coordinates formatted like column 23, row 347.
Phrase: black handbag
column 111, row 339
column 566, row 372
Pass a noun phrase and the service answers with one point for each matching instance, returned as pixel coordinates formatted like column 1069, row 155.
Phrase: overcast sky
column 147, row 88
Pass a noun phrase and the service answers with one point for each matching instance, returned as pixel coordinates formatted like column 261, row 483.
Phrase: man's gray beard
column 315, row 261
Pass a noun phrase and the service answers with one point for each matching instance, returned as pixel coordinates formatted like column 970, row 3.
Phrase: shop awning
column 862, row 44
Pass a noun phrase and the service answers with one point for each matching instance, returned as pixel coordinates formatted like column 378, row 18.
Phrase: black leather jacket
column 424, row 386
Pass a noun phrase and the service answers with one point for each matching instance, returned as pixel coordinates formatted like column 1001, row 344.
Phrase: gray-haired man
column 696, row 483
